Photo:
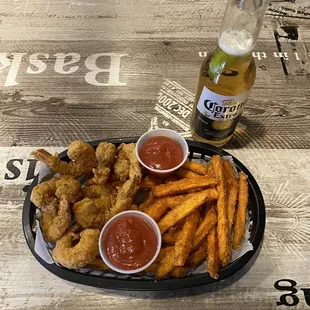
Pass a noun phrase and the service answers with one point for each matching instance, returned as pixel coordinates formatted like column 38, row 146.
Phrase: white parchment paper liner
column 41, row 247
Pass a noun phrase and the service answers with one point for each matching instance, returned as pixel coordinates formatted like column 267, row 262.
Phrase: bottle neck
column 241, row 26
column 236, row 42
column 221, row 61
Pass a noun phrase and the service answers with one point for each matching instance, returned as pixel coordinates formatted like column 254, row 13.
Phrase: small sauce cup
column 162, row 132
column 106, row 231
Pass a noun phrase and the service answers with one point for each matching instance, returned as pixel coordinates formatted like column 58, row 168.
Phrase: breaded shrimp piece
column 47, row 194
column 122, row 164
column 78, row 255
column 105, row 154
column 82, row 156
column 92, row 213
column 55, row 222
column 95, row 191
column 125, row 196
column 126, row 193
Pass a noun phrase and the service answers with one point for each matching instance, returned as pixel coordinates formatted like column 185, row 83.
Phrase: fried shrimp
column 79, row 255
column 127, row 153
column 46, row 195
column 95, row 191
column 81, row 154
column 92, row 213
column 125, row 196
column 135, row 168
column 56, row 221
column 122, row 164
column 105, row 154
column 126, row 193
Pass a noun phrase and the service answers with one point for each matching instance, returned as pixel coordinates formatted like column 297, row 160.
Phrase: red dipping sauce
column 161, row 153
column 130, row 243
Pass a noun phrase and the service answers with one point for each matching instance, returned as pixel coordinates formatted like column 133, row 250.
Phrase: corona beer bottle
column 227, row 74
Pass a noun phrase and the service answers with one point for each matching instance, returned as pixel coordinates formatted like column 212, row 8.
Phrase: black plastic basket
column 256, row 209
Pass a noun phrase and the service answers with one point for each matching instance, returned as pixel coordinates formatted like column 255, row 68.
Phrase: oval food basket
column 113, row 280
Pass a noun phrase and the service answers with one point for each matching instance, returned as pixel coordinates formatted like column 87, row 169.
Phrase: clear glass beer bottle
column 227, row 74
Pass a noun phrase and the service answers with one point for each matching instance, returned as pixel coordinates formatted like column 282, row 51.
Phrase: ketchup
column 131, row 243
column 161, row 153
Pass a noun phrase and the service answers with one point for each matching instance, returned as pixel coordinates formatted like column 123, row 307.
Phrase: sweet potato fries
column 201, row 214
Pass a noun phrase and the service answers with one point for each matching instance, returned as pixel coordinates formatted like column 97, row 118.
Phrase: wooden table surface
column 97, row 69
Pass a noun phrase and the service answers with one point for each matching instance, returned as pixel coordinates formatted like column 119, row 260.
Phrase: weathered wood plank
column 291, row 10
column 68, row 103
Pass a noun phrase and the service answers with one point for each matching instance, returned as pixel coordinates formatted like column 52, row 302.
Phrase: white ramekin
column 105, row 230
column 162, row 132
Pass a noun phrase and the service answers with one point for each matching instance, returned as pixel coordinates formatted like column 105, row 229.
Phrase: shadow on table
column 184, row 292
column 250, row 131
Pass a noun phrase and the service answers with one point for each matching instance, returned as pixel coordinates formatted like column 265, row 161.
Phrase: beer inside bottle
column 227, row 74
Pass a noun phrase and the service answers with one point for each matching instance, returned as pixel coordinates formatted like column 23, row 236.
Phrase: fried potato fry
column 203, row 229
column 156, row 209
column 163, row 252
column 201, row 218
column 185, row 239
column 149, row 199
column 174, row 201
column 196, row 167
column 160, row 205
column 213, row 257
column 171, row 235
column 152, row 268
column 184, row 173
column 149, row 182
column 182, row 186
column 199, row 255
column 243, row 198
column 165, row 265
column 133, row 207
column 191, row 203
column 232, row 191
column 179, row 225
column 97, row 263
column 172, row 178
column 222, row 212
column 179, row 272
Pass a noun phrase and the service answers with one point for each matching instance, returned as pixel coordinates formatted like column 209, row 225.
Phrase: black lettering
column 283, row 298
column 31, row 169
column 232, row 109
column 307, row 295
column 209, row 105
column 240, row 105
column 225, row 109
column 12, row 168
column 228, row 116
column 218, row 109
column 218, row 115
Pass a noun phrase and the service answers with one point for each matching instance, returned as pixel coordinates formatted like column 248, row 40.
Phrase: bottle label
column 216, row 115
